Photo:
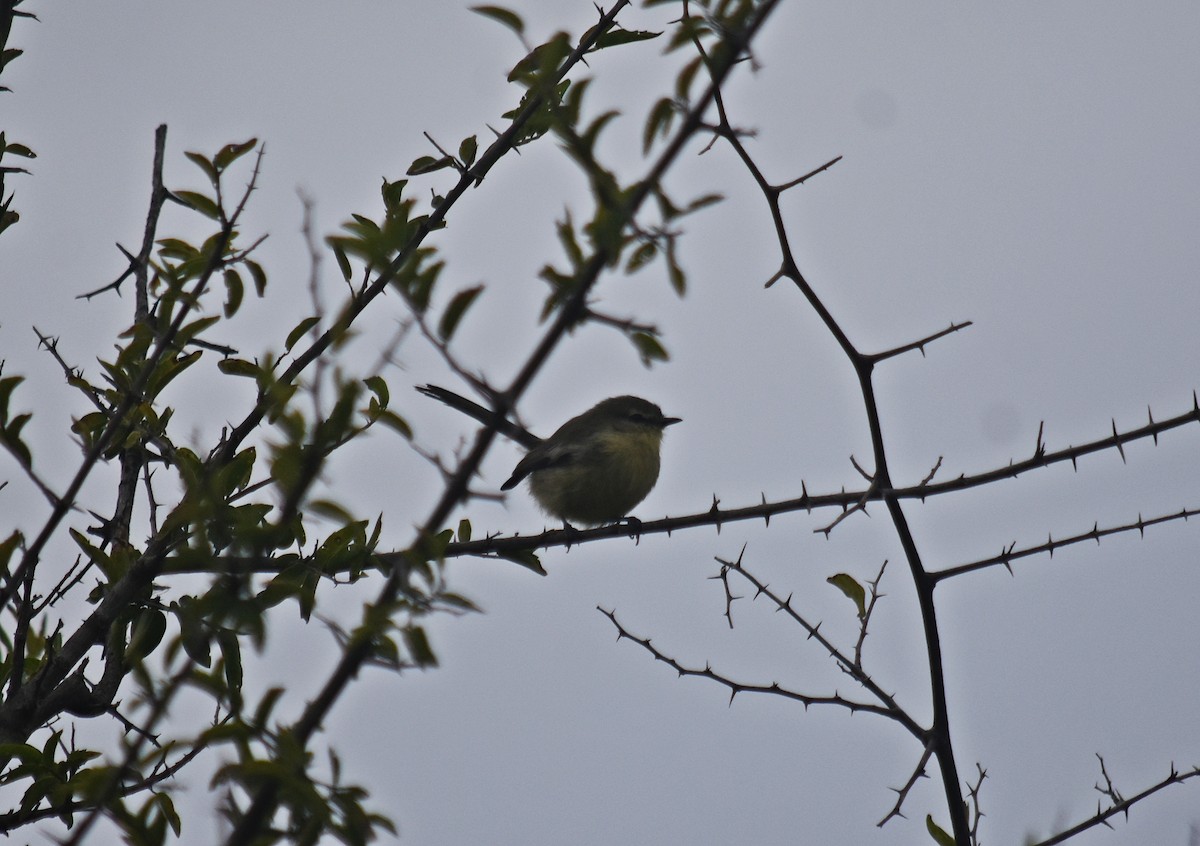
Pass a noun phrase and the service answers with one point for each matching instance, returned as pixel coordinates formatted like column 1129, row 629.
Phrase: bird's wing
column 540, row 458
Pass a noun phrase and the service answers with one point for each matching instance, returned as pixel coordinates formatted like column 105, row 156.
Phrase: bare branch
column 902, row 792
column 735, row 688
column 1119, row 805
column 919, row 344
column 1010, row 554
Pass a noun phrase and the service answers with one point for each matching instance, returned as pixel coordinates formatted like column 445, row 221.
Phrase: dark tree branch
column 918, row 773
column 773, row 689
column 1011, row 554
column 1120, row 805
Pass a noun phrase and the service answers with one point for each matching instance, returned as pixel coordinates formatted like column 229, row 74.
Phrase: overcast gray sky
column 1030, row 166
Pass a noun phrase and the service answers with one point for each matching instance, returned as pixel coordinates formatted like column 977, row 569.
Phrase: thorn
column 766, row 516
column 1117, row 438
column 132, row 258
column 1151, row 417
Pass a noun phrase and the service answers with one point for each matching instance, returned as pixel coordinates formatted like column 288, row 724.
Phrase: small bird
column 595, row 468
column 599, row 465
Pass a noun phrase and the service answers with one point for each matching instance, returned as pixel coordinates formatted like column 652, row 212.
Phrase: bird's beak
column 671, row 421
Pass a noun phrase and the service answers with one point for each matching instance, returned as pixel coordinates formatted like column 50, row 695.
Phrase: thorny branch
column 735, row 688
column 1120, row 805
column 918, row 773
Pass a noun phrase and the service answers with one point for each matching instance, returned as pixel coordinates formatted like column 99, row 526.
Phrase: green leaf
column 192, row 632
column 231, row 651
column 333, row 511
column 258, row 275
column 148, row 631
column 7, row 385
column 458, row 601
column 940, row 836
column 238, row 367
column 234, row 292
column 464, row 530
column 19, row 150
column 467, row 151
column 166, row 807
column 658, row 123
column 393, row 198
column 543, row 59
column 89, row 426
column 703, row 202
column 307, row 598
column 428, row 164
column 501, row 15
column 266, row 705
column 339, row 253
column 615, row 37
column 456, row 310
column 98, row 556
column 202, row 162
column 23, row 752
column 230, row 153
column 526, row 558
column 642, row 256
column 283, row 586
column 675, row 272
column 397, row 423
column 649, row 348
column 174, row 248
column 193, row 329
column 379, row 387
column 300, row 331
column 848, row 585
column 570, row 244
column 418, row 646
column 683, row 82
column 201, row 203
column 236, row 474
column 7, row 547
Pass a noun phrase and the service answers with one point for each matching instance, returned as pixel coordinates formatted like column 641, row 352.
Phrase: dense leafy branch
column 611, row 220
